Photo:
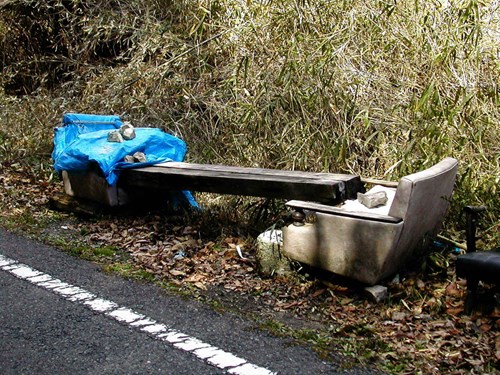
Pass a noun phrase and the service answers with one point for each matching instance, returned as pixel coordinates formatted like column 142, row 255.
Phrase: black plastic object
column 476, row 266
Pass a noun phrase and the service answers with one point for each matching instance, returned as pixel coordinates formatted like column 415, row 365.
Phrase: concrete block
column 90, row 185
column 139, row 157
column 371, row 200
column 376, row 293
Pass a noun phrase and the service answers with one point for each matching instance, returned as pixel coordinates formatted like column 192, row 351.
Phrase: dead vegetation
column 379, row 89
column 369, row 88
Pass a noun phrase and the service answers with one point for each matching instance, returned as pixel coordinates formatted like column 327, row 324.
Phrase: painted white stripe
column 124, row 314
column 173, row 337
column 191, row 344
column 84, row 296
column 155, row 329
column 40, row 279
column 100, row 305
column 69, row 291
column 223, row 360
column 10, row 267
column 25, row 272
column 53, row 283
column 204, row 351
column 4, row 262
column 248, row 369
column 143, row 322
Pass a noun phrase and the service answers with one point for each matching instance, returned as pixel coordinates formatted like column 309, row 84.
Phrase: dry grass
column 380, row 89
column 376, row 88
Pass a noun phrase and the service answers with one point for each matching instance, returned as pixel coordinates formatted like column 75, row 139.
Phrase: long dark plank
column 318, row 187
column 253, row 171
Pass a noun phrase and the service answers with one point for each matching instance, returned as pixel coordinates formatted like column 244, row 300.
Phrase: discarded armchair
column 368, row 246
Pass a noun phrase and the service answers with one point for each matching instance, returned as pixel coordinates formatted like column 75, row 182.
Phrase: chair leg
column 470, row 300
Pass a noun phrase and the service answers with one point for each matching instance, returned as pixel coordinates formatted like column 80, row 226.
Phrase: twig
column 450, row 241
column 374, row 181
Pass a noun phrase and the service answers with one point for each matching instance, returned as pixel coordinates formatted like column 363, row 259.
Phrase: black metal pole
column 472, row 213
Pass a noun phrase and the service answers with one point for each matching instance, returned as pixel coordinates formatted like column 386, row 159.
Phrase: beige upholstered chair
column 368, row 246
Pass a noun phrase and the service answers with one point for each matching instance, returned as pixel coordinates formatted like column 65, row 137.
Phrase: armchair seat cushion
column 353, row 205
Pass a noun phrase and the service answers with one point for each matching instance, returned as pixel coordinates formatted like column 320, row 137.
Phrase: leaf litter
column 420, row 328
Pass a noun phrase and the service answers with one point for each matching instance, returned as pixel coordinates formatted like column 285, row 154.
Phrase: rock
column 115, row 136
column 270, row 259
column 371, row 200
column 376, row 293
column 139, row 157
column 395, row 280
column 127, row 131
column 180, row 255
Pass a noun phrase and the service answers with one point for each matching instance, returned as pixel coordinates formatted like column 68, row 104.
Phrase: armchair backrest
column 421, row 200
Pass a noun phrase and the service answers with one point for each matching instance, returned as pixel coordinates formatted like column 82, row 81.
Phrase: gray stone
column 115, row 136
column 376, row 293
column 139, row 157
column 371, row 200
column 127, row 131
column 270, row 259
column 395, row 280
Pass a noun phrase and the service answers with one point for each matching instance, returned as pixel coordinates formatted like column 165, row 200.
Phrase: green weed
column 129, row 270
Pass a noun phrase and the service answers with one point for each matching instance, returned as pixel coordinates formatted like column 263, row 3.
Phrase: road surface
column 60, row 314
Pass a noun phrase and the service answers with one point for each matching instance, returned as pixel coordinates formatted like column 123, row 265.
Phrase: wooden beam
column 221, row 179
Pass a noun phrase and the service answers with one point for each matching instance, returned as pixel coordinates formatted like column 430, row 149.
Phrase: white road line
column 204, row 351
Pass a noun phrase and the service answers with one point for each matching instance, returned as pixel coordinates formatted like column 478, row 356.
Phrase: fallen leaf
column 177, row 273
column 194, row 278
column 453, row 291
column 200, row 285
column 398, row 316
column 317, row 293
column 454, row 311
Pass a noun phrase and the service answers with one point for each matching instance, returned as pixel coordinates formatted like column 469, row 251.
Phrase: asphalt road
column 50, row 329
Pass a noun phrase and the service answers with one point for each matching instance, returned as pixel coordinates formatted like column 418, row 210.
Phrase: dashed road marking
column 204, row 351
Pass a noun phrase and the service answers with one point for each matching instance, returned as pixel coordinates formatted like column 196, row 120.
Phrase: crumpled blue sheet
column 82, row 140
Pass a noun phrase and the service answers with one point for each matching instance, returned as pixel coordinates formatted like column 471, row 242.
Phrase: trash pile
column 85, row 141
column 113, row 145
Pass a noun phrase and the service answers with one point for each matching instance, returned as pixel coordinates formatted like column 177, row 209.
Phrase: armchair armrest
column 323, row 208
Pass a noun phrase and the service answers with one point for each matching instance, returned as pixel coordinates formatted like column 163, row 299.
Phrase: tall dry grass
column 376, row 88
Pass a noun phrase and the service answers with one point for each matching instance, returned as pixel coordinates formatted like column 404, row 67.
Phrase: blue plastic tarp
column 74, row 124
column 83, row 139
